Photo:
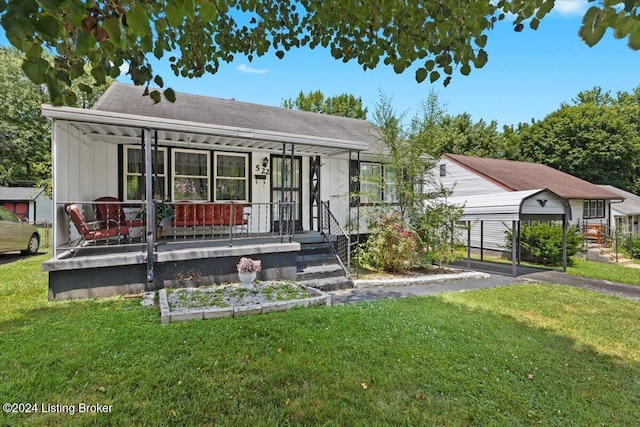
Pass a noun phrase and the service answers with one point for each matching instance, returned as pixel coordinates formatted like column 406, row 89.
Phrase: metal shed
column 514, row 206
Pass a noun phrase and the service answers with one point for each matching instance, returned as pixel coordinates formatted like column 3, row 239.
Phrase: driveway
column 346, row 296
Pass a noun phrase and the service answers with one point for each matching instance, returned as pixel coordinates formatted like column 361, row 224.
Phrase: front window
column 593, row 209
column 231, row 180
column 377, row 183
column 133, row 173
column 190, row 175
column 371, row 182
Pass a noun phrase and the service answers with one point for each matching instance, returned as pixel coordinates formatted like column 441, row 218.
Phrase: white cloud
column 571, row 7
column 248, row 70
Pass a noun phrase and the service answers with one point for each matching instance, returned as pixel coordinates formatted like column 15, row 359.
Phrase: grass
column 605, row 271
column 519, row 355
column 583, row 268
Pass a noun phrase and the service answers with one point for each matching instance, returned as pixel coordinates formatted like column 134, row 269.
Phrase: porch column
column 149, row 205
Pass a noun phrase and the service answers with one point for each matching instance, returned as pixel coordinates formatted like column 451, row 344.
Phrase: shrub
column 632, row 247
column 541, row 243
column 391, row 246
column 440, row 238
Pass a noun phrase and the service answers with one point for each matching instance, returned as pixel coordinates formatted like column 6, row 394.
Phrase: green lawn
column 605, row 271
column 580, row 267
column 521, row 355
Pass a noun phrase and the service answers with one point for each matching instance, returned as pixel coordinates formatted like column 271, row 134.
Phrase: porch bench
column 192, row 215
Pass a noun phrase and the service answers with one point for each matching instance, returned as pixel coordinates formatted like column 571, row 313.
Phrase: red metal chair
column 97, row 230
column 111, row 210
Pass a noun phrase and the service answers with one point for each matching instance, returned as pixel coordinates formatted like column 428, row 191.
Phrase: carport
column 514, row 207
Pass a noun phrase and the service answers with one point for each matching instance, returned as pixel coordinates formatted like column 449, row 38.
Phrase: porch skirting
column 126, row 273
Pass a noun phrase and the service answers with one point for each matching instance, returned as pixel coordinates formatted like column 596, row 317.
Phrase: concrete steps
column 317, row 265
column 606, row 255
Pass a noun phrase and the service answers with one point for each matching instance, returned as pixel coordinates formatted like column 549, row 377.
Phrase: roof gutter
column 157, row 123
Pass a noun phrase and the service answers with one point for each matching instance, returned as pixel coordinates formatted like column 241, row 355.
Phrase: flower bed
column 229, row 300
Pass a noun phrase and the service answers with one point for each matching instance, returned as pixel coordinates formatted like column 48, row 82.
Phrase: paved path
column 603, row 286
column 346, row 296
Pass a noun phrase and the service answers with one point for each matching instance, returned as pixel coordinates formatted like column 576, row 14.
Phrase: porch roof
column 198, row 121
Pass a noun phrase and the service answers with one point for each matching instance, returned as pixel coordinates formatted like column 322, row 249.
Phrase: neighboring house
column 473, row 176
column 27, row 203
column 627, row 213
column 284, row 173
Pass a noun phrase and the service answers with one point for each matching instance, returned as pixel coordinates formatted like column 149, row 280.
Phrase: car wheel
column 34, row 245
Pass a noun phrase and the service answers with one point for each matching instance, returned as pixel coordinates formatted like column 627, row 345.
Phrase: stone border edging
column 167, row 316
column 420, row 280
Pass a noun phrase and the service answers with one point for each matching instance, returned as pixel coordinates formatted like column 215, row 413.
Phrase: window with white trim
column 371, row 182
column 593, row 209
column 231, row 176
column 190, row 179
column 377, row 183
column 133, row 167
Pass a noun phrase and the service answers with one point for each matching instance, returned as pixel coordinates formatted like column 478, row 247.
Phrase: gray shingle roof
column 129, row 99
column 518, row 176
column 631, row 203
column 19, row 193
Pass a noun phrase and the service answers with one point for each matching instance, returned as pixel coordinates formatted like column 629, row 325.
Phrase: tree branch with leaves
column 435, row 38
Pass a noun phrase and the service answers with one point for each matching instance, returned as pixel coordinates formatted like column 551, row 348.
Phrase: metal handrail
column 329, row 226
column 207, row 221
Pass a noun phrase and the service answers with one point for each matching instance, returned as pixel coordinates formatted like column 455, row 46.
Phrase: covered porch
column 217, row 193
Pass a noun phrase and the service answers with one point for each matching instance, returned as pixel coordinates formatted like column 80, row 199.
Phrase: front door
column 293, row 189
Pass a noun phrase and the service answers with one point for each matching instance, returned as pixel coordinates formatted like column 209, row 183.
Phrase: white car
column 16, row 235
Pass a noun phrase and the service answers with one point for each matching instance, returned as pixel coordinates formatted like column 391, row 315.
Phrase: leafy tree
column 418, row 202
column 437, row 132
column 463, row 136
column 25, row 135
column 594, row 96
column 344, row 105
column 436, row 38
column 427, row 126
column 600, row 144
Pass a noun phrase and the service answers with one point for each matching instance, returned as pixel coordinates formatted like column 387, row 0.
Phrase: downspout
column 615, row 237
column 149, row 204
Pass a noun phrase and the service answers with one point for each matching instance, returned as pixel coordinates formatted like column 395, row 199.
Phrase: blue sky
column 528, row 74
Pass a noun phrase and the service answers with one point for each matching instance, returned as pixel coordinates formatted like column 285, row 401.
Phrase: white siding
column 44, row 208
column 334, row 186
column 464, row 182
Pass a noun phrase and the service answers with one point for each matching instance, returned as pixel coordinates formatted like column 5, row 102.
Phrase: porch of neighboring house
column 217, row 195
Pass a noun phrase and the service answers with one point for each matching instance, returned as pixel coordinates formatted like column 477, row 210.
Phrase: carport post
column 468, row 244
column 564, row 243
column 481, row 240
column 514, row 249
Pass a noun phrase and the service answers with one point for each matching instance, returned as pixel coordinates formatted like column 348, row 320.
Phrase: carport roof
column 513, row 206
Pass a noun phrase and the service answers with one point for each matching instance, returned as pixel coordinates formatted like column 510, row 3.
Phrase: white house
column 242, row 180
column 469, row 176
column 626, row 213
